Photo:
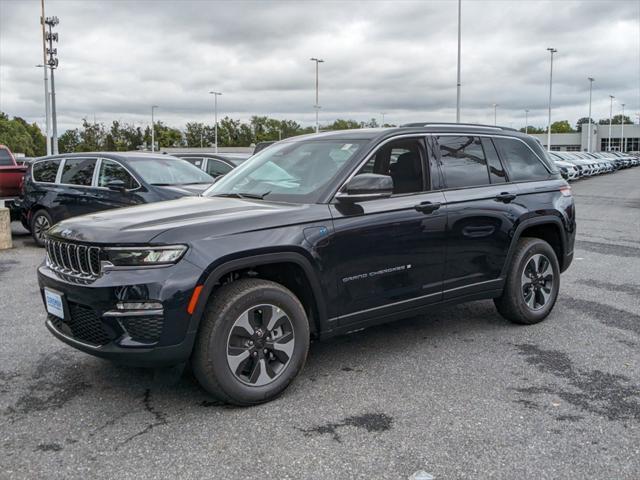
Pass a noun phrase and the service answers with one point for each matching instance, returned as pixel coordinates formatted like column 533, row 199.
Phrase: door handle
column 506, row 197
column 427, row 207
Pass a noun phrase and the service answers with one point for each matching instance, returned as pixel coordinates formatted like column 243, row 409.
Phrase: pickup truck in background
column 11, row 174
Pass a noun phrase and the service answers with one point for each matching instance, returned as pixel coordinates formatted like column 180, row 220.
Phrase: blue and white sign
column 54, row 303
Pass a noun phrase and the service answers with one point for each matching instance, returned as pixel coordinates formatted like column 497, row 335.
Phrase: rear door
column 480, row 216
column 389, row 252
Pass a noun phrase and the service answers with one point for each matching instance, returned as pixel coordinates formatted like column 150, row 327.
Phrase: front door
column 105, row 198
column 389, row 252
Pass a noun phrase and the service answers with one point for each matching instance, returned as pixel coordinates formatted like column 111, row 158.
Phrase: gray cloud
column 117, row 58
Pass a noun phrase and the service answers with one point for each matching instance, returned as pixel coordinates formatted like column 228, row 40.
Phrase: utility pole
column 317, row 105
column 47, row 113
column 591, row 80
column 526, row 121
column 383, row 114
column 53, row 64
column 459, row 45
column 215, row 118
column 622, row 134
column 611, row 97
column 551, row 51
column 153, row 129
column 495, row 113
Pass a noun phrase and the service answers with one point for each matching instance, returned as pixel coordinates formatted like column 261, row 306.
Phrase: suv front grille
column 83, row 325
column 73, row 259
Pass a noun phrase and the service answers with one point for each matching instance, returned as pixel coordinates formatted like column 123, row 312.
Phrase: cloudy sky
column 119, row 57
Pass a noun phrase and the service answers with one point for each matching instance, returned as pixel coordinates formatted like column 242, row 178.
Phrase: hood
column 177, row 191
column 188, row 218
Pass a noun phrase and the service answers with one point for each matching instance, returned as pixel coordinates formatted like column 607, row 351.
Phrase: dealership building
column 578, row 142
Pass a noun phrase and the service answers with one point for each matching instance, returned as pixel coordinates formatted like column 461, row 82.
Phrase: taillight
column 565, row 191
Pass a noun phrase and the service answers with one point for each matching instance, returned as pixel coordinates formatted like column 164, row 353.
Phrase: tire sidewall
column 216, row 344
column 536, row 247
column 39, row 213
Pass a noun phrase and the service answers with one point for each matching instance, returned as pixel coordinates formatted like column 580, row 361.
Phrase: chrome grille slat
column 70, row 259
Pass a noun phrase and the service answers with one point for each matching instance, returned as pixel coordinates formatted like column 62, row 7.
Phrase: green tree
column 341, row 124
column 561, row 126
column 583, row 121
column 195, row 134
column 38, row 139
column 531, row 130
column 15, row 135
column 69, row 141
column 167, row 136
column 615, row 120
column 93, row 137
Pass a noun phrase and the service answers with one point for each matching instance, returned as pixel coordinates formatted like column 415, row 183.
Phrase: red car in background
column 11, row 174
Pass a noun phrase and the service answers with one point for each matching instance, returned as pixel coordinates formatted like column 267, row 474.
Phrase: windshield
column 169, row 171
column 291, row 171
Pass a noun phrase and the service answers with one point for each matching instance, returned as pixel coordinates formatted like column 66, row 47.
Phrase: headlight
column 143, row 256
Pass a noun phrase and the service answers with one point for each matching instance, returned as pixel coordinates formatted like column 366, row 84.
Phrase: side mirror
column 564, row 174
column 367, row 186
column 117, row 185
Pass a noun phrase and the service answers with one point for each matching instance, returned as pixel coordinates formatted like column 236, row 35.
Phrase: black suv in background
column 215, row 164
column 315, row 236
column 64, row 186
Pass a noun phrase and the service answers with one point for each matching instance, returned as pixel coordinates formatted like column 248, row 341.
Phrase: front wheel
column 532, row 284
column 253, row 341
column 40, row 223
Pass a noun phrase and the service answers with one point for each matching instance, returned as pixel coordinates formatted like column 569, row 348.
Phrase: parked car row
column 575, row 165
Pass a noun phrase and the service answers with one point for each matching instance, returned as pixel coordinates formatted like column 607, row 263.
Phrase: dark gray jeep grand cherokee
column 315, row 236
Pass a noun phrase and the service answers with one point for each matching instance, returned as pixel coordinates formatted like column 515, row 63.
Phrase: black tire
column 40, row 223
column 210, row 362
column 512, row 304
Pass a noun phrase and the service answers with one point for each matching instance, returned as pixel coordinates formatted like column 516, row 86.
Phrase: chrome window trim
column 46, row 160
column 436, row 134
column 61, row 170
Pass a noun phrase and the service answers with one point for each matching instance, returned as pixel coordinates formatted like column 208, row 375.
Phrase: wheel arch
column 548, row 228
column 291, row 269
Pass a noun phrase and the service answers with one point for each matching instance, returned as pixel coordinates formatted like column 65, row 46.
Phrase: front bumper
column 93, row 324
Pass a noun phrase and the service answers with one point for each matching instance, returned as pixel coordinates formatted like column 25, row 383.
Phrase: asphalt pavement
column 459, row 393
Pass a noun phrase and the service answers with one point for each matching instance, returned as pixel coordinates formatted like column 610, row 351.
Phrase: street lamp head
column 591, row 79
column 552, row 50
column 319, row 60
column 215, row 93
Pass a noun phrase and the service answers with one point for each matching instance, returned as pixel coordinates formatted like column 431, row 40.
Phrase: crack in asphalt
column 607, row 395
column 160, row 419
column 372, row 422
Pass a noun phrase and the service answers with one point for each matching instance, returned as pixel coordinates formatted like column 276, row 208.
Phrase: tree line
column 23, row 137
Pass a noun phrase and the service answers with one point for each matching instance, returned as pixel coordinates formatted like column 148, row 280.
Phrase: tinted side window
column 46, row 171
column 463, row 162
column 402, row 160
column 522, row 163
column 197, row 161
column 110, row 171
column 216, row 168
column 78, row 171
column 496, row 170
column 5, row 158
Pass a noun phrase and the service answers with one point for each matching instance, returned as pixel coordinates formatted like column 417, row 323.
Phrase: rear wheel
column 253, row 341
column 40, row 223
column 532, row 283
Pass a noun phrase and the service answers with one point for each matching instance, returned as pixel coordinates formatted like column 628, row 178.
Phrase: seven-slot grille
column 73, row 258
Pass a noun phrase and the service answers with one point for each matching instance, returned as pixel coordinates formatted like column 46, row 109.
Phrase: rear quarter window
column 521, row 162
column 5, row 158
column 45, row 171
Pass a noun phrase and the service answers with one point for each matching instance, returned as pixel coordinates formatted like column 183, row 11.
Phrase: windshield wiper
column 258, row 196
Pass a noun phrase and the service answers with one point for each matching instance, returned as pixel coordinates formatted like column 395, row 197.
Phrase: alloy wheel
column 41, row 225
column 260, row 345
column 537, row 281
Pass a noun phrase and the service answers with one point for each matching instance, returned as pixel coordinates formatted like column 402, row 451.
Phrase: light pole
column 611, row 97
column 551, row 51
column 622, row 133
column 495, row 113
column 215, row 117
column 46, row 81
column 153, row 129
column 383, row 114
column 459, row 44
column 53, row 64
column 526, row 121
column 317, row 105
column 591, row 80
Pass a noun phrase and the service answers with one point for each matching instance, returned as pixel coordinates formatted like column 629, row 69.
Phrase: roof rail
column 454, row 125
